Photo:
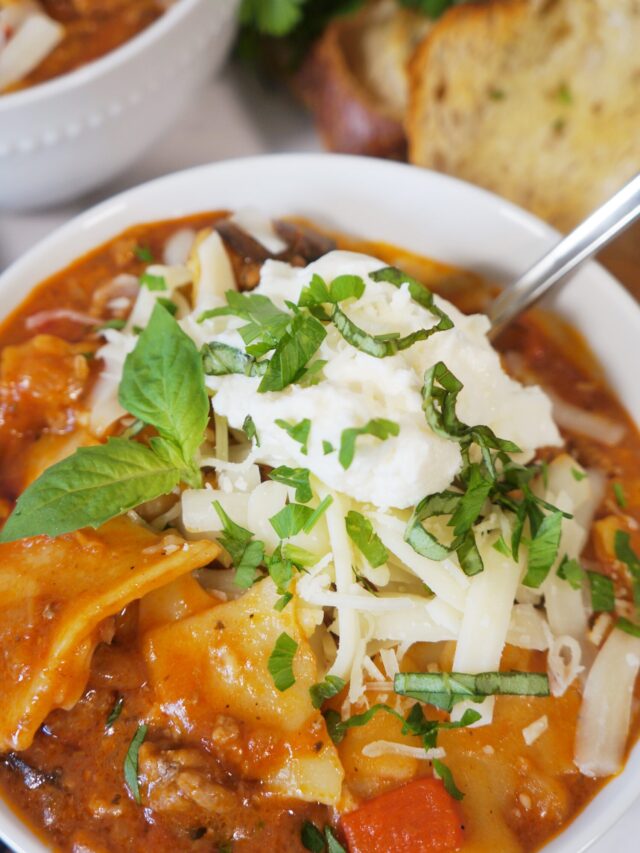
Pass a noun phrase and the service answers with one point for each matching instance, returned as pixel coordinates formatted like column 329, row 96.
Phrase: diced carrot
column 419, row 817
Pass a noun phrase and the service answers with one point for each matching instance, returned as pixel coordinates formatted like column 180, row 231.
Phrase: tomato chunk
column 419, row 817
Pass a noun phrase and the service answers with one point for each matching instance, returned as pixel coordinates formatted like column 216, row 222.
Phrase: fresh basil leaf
column 115, row 712
column 543, row 550
column 445, row 689
column 90, row 487
column 346, row 287
column 163, row 384
column 311, row 837
column 292, row 353
column 247, row 553
column 153, row 282
column 572, row 572
column 602, row 593
column 280, row 664
column 298, row 432
column 361, row 532
column 131, row 762
column 220, row 359
column 331, row 686
column 380, row 428
column 446, row 775
column 296, row 478
column 249, row 429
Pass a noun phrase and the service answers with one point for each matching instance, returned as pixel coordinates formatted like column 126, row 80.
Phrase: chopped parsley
column 153, row 282
column 246, row 553
column 296, row 478
column 602, row 592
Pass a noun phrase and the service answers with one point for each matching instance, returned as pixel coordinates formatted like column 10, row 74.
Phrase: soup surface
column 201, row 773
column 91, row 29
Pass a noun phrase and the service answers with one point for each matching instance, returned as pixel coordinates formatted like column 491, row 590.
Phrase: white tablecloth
column 236, row 116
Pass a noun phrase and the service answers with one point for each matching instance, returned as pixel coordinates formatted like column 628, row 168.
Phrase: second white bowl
column 66, row 136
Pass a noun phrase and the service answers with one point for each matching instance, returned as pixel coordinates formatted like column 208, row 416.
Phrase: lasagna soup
column 292, row 558
column 43, row 39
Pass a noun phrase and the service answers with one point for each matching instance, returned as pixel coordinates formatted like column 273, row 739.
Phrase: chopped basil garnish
column 131, row 762
column 220, row 359
column 266, row 324
column 247, row 553
column 290, row 520
column 297, row 478
column 298, row 432
column 333, row 845
column 293, row 518
column 445, row 689
column 572, row 572
column 543, row 550
column 628, row 627
column 153, row 282
column 343, row 287
column 625, row 553
column 446, row 775
column 502, row 548
column 115, row 712
column 311, row 838
column 578, row 475
column 602, row 592
column 331, row 686
column 620, row 496
column 280, row 663
column 293, row 352
column 470, row 505
column 250, row 430
column 144, row 254
column 377, row 427
column 116, row 323
column 299, row 556
column 361, row 532
column 169, row 305
column 327, row 447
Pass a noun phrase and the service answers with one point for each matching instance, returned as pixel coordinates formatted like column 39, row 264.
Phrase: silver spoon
column 598, row 229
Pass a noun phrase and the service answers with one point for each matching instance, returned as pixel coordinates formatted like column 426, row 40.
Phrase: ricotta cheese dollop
column 355, row 388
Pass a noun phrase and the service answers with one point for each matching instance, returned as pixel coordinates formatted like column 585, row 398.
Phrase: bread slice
column 355, row 79
column 538, row 100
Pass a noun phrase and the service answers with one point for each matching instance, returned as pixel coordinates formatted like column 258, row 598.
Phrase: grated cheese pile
column 408, row 597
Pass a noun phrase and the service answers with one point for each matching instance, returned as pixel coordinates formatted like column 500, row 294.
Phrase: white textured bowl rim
column 622, row 790
column 71, row 80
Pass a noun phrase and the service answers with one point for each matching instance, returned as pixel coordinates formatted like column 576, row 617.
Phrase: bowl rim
column 617, row 795
column 78, row 77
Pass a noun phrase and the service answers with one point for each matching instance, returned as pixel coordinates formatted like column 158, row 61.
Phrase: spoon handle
column 598, row 229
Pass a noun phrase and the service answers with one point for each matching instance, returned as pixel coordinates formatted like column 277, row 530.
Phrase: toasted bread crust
column 538, row 101
column 348, row 117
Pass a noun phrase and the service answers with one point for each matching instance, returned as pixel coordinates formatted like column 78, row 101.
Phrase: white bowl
column 419, row 210
column 64, row 137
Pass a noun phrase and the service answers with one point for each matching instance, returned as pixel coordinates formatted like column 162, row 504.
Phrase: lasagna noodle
column 55, row 595
column 213, row 666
